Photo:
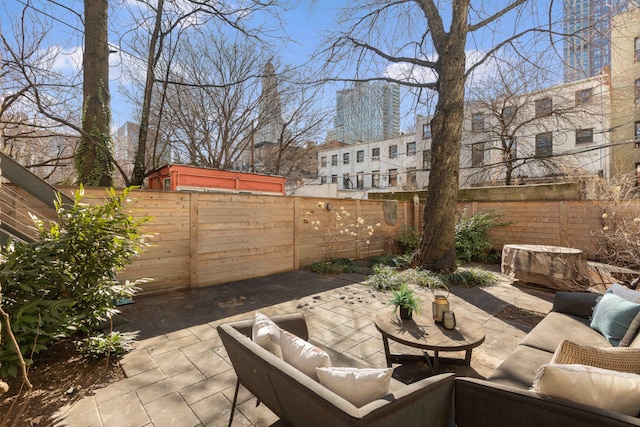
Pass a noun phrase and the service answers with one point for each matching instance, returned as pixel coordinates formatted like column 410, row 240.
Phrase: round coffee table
column 424, row 333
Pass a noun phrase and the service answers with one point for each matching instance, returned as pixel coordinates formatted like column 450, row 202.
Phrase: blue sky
column 306, row 23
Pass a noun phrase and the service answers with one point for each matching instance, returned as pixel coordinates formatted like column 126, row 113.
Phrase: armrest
column 575, row 303
column 425, row 403
column 480, row 403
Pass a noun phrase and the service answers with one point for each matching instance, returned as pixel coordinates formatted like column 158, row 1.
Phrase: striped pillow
column 612, row 316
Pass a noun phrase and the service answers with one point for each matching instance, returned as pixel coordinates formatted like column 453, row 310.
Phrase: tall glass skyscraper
column 367, row 112
column 588, row 48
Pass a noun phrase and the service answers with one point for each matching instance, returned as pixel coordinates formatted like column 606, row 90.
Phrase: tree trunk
column 139, row 164
column 437, row 251
column 93, row 155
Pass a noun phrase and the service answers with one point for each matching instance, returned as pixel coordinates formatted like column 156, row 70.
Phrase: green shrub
column 396, row 261
column 334, row 266
column 408, row 239
column 422, row 278
column 469, row 278
column 471, row 236
column 112, row 344
column 385, row 278
column 66, row 281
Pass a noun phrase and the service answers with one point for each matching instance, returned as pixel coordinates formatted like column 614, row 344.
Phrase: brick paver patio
column 180, row 375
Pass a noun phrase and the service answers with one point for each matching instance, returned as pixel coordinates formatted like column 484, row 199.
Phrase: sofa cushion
column 614, row 358
column 358, row 386
column 602, row 388
column 557, row 327
column 266, row 334
column 612, row 317
column 302, row 355
column 519, row 369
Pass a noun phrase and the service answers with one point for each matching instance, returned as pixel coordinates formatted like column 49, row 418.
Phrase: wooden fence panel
column 202, row 239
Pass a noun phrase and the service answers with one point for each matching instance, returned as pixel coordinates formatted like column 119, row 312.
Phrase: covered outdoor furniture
column 302, row 401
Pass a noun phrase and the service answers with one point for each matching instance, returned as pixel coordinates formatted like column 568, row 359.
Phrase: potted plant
column 406, row 301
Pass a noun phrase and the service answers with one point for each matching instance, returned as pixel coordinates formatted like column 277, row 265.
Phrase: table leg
column 436, row 361
column 467, row 358
column 387, row 353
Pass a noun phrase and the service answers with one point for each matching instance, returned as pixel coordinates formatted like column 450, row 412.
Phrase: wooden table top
column 423, row 332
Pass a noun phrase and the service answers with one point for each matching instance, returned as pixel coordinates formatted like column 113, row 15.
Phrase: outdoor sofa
column 300, row 400
column 504, row 399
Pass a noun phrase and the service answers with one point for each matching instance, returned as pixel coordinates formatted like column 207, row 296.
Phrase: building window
column 393, row 177
column 509, row 114
column 584, row 96
column 477, row 122
column 323, row 161
column 411, row 148
column 411, row 177
column 638, row 91
column 426, row 131
column 323, row 180
column 345, row 181
column 360, row 181
column 544, row 107
column 393, row 151
column 636, row 45
column 637, row 131
column 334, row 160
column 345, row 158
column 166, row 184
column 477, row 155
column 375, row 154
column 544, row 144
column 360, row 156
column 334, row 179
column 584, row 136
column 375, row 179
column 426, row 159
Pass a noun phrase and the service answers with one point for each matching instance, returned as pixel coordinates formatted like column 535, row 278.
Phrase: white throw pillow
column 266, row 334
column 302, row 355
column 358, row 386
column 602, row 388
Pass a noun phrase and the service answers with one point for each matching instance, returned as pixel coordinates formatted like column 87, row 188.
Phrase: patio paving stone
column 180, row 374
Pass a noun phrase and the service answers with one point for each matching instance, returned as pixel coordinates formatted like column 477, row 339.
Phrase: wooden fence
column 203, row 239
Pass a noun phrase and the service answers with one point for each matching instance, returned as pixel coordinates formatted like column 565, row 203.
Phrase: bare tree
column 424, row 37
column 171, row 21
column 516, row 105
column 211, row 106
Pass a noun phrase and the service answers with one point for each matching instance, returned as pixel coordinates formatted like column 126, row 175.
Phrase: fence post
column 296, row 234
column 357, row 237
column 564, row 224
column 193, row 241
column 416, row 214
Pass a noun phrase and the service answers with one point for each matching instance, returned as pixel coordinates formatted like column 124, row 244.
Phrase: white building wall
column 569, row 158
column 366, row 160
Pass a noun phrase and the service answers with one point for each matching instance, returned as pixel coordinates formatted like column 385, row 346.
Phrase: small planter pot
column 405, row 314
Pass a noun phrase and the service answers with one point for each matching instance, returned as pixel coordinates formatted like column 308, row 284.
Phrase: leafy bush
column 112, row 344
column 396, row 261
column 422, row 278
column 471, row 236
column 385, row 278
column 469, row 278
column 66, row 281
column 334, row 266
column 408, row 239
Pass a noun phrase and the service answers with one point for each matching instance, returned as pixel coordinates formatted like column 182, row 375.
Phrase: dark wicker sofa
column 301, row 401
column 504, row 399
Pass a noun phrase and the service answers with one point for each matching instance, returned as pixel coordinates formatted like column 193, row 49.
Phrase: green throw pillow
column 612, row 316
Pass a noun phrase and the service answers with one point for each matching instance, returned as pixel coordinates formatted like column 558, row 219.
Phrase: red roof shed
column 181, row 177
